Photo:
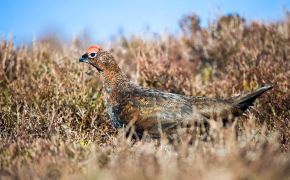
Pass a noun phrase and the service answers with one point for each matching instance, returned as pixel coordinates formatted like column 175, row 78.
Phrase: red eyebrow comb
column 93, row 49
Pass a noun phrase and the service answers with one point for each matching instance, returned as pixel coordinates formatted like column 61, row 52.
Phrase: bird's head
column 100, row 59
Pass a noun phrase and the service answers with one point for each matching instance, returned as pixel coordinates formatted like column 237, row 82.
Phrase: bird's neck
column 114, row 79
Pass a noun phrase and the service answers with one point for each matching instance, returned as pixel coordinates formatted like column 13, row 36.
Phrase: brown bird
column 151, row 110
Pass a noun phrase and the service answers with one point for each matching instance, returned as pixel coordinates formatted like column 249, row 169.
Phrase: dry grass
column 53, row 122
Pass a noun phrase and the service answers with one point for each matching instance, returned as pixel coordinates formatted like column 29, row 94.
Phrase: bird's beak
column 84, row 58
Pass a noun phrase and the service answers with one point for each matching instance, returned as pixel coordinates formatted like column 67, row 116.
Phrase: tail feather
column 245, row 100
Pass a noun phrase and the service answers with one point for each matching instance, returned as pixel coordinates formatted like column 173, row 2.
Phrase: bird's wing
column 156, row 109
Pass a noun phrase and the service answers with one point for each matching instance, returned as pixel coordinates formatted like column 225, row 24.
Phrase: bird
column 154, row 111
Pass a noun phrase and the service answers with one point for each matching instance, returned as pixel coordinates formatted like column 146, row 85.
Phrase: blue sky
column 104, row 19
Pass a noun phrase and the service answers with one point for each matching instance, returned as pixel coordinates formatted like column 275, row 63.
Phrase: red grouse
column 152, row 110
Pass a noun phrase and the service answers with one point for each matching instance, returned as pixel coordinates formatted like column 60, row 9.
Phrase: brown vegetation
column 53, row 122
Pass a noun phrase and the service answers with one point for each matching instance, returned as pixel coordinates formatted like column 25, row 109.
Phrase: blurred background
column 103, row 21
column 53, row 119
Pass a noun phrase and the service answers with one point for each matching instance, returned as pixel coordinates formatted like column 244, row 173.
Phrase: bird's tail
column 243, row 101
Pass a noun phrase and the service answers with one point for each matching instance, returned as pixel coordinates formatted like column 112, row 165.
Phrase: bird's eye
column 92, row 55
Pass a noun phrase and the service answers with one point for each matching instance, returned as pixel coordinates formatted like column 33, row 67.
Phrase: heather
column 54, row 124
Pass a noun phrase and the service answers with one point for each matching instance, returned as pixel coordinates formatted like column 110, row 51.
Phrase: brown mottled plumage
column 151, row 109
